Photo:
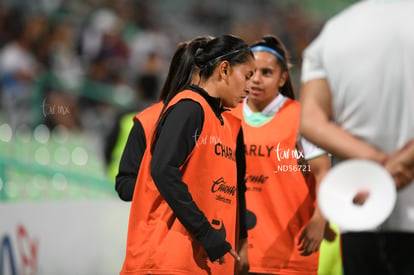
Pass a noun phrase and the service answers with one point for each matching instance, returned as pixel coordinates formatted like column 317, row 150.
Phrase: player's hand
column 243, row 264
column 361, row 197
column 232, row 253
column 400, row 165
column 329, row 234
column 312, row 236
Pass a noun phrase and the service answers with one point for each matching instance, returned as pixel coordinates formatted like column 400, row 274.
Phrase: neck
column 211, row 89
column 258, row 106
column 255, row 107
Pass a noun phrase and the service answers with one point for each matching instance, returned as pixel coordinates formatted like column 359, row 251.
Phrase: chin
column 254, row 97
column 228, row 104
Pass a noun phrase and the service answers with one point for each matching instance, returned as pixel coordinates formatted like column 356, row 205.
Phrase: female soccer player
column 285, row 228
column 185, row 208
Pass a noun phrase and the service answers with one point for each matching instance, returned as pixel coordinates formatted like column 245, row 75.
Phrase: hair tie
column 216, row 59
column 198, row 51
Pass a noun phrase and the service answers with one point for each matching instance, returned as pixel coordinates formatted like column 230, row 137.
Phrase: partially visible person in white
column 357, row 102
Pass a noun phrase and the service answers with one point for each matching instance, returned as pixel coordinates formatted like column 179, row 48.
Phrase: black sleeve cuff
column 214, row 244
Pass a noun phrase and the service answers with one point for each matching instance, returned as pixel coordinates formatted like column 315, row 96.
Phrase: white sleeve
column 312, row 68
column 312, row 65
column 310, row 150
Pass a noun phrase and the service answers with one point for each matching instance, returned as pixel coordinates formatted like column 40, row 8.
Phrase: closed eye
column 249, row 75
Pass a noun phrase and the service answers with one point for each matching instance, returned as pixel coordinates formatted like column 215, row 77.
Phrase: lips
column 256, row 91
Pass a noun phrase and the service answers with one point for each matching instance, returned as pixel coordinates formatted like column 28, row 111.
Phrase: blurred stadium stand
column 89, row 58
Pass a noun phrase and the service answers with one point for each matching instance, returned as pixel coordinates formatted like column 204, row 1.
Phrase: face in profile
column 238, row 83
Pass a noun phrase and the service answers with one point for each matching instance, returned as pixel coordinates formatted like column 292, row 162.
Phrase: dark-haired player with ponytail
column 181, row 74
column 185, row 208
column 285, row 229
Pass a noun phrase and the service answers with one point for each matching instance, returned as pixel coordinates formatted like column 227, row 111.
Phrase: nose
column 256, row 77
column 248, row 86
column 247, row 89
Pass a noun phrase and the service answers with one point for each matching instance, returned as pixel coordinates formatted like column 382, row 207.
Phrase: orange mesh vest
column 157, row 242
column 148, row 117
column 279, row 203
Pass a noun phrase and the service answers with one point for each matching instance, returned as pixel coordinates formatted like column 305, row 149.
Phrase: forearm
column 241, row 184
column 400, row 165
column 176, row 194
column 406, row 155
column 130, row 162
column 125, row 185
column 320, row 167
column 317, row 127
column 242, row 215
column 340, row 143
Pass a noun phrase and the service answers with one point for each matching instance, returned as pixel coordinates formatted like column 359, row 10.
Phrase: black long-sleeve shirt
column 175, row 139
column 178, row 127
column 130, row 162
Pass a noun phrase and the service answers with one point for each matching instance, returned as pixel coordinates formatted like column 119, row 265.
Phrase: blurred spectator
column 18, row 65
column 143, row 44
column 3, row 28
column 66, row 69
column 148, row 88
column 101, row 37
column 63, row 60
column 98, row 72
column 61, row 109
column 148, row 81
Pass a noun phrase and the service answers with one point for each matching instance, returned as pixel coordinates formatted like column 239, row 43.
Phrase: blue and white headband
column 261, row 48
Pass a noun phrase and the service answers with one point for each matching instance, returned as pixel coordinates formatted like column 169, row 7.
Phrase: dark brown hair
column 274, row 43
